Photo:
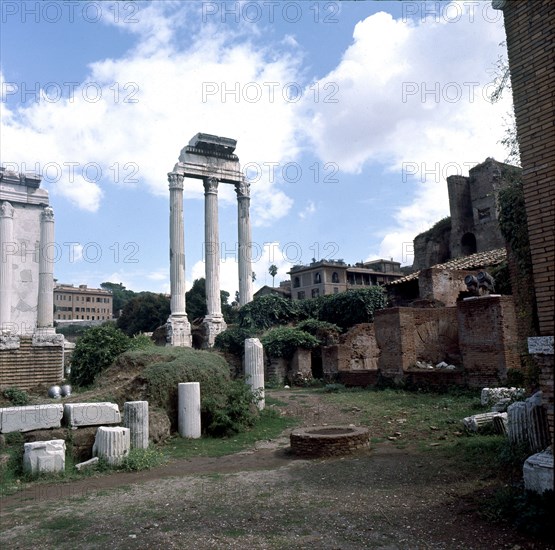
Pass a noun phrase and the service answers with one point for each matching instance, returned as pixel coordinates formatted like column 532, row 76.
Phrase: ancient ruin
column 31, row 352
column 211, row 159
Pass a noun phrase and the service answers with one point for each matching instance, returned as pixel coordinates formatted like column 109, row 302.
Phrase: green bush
column 95, row 351
column 141, row 342
column 16, row 396
column 220, row 396
column 267, row 311
column 283, row 341
column 352, row 307
column 327, row 333
column 233, row 339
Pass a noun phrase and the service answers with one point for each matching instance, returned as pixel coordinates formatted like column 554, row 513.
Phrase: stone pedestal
column 538, row 472
column 135, row 417
column 188, row 419
column 44, row 456
column 112, row 444
column 254, row 368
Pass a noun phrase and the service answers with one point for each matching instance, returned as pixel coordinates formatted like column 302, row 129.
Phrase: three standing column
column 179, row 329
column 245, row 245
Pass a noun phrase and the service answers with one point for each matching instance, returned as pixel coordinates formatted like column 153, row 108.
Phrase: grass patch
column 269, row 426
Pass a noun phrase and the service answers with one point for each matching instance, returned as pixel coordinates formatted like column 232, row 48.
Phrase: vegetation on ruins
column 233, row 339
column 227, row 406
column 95, row 351
column 284, row 341
column 267, row 311
column 195, row 302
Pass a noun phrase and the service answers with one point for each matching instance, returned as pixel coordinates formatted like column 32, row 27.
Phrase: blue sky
column 348, row 117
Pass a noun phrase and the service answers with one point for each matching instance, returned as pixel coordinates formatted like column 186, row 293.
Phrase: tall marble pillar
column 179, row 329
column 245, row 245
column 7, row 251
column 213, row 321
column 47, row 253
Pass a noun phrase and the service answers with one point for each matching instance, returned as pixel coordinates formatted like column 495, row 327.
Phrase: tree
column 195, row 300
column 502, row 83
column 144, row 313
column 120, row 296
column 272, row 270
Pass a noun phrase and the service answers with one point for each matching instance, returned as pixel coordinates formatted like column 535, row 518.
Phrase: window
column 335, row 277
column 300, row 295
column 315, row 292
column 317, row 278
column 335, row 290
column 296, row 282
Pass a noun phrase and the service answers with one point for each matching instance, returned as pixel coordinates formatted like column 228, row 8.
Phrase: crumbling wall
column 443, row 285
column 488, row 339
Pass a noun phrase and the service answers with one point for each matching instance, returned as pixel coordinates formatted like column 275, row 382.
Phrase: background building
column 335, row 276
column 82, row 303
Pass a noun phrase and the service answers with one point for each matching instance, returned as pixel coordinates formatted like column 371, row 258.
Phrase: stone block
column 44, row 456
column 34, row 417
column 538, row 472
column 491, row 396
column 87, row 464
column 112, row 444
column 91, row 414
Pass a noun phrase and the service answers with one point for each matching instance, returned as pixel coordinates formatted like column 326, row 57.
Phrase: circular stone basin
column 320, row 441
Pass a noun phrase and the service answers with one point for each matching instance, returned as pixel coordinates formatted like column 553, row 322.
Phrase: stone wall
column 357, row 351
column 443, row 285
column 29, row 366
column 488, row 339
column 408, row 335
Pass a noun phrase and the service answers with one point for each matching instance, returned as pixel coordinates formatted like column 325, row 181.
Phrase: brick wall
column 442, row 284
column 531, row 48
column 407, row 335
column 488, row 339
column 30, row 366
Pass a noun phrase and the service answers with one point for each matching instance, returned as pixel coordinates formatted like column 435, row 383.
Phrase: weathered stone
column 44, row 456
column 491, row 396
column 538, row 472
column 112, row 444
column 159, row 425
column 188, row 419
column 135, row 417
column 500, row 423
column 538, row 429
column 517, row 427
column 254, row 368
column 32, row 417
column 91, row 414
column 82, row 441
column 301, row 366
column 479, row 421
column 87, row 464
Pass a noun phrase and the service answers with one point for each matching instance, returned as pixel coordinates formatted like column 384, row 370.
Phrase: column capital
column 211, row 185
column 243, row 190
column 176, row 180
column 47, row 215
column 6, row 210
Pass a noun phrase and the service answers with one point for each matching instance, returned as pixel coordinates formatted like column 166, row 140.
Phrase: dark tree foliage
column 120, row 296
column 267, row 311
column 195, row 299
column 144, row 313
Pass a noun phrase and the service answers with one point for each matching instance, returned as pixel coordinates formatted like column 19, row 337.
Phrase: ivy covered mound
column 227, row 406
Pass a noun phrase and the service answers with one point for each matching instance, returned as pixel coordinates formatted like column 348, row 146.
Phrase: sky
column 348, row 118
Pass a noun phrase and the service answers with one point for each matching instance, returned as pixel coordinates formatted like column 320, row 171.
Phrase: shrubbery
column 233, row 339
column 283, row 341
column 266, row 312
column 96, row 350
column 16, row 396
column 226, row 406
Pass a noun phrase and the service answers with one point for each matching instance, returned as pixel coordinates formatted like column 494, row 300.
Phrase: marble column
column 213, row 321
column 245, row 245
column 7, row 251
column 135, row 417
column 188, row 416
column 254, row 368
column 47, row 253
column 178, row 327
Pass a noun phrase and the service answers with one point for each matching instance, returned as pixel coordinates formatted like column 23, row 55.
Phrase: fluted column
column 7, row 250
column 213, row 321
column 179, row 329
column 245, row 245
column 45, row 309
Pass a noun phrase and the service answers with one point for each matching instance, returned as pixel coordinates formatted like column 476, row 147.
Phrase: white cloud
column 309, row 209
column 411, row 96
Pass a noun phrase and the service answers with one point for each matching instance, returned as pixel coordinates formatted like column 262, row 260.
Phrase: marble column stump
column 135, row 417
column 188, row 419
column 254, row 368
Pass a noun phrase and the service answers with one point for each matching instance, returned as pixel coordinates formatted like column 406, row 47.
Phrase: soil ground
column 384, row 497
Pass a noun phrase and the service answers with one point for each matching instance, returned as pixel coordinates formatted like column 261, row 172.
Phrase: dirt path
column 263, row 498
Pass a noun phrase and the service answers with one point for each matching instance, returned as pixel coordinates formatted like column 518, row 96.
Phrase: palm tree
column 273, row 272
